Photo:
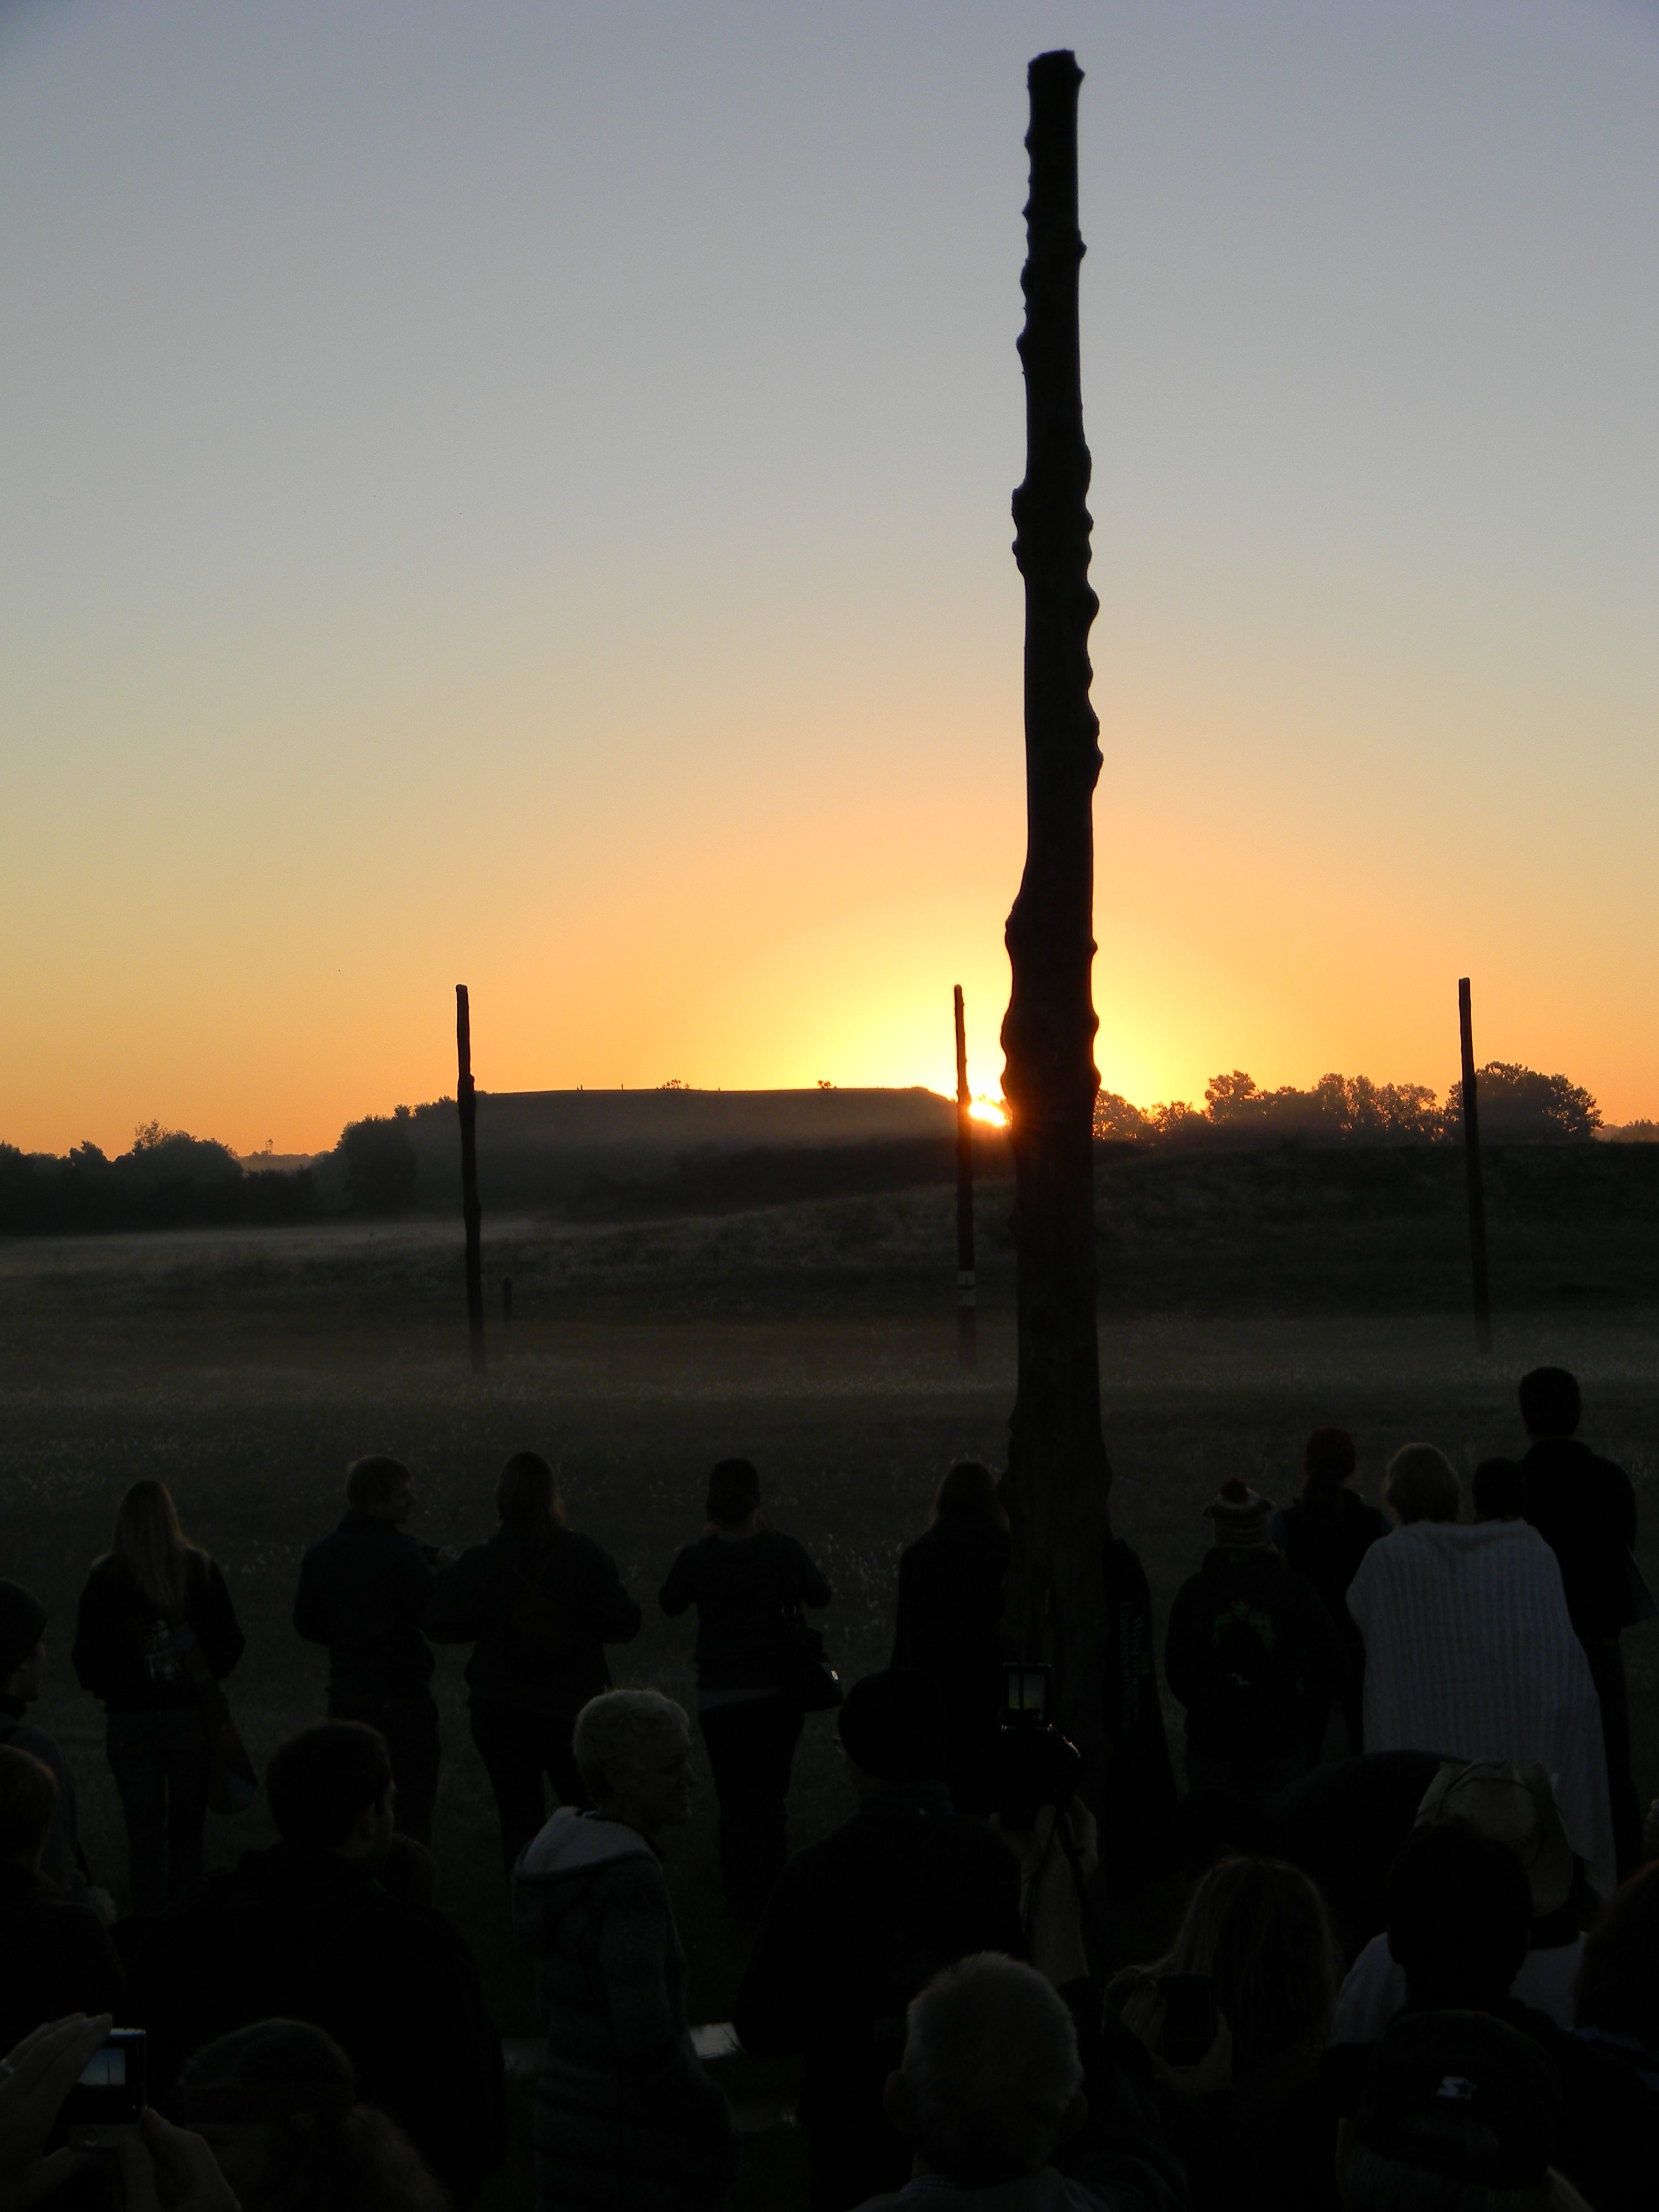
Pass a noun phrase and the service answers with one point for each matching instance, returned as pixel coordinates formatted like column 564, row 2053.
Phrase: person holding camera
column 748, row 1584
column 859, row 1922
column 1249, row 1648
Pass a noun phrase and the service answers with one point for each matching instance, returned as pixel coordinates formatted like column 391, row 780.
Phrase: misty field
column 245, row 1368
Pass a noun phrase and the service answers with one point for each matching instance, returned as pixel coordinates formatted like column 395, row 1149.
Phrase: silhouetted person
column 1342, row 1823
column 56, row 1956
column 950, row 1601
column 1585, row 1508
column 857, row 1924
column 1470, row 1651
column 142, row 1605
column 277, row 2104
column 363, row 1592
column 305, row 1930
column 1498, row 1490
column 748, row 1584
column 539, row 1603
column 22, row 1676
column 626, row 2117
column 1323, row 1537
column 1618, row 1992
column 1248, row 1643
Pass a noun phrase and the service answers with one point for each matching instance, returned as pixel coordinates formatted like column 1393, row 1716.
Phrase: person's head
column 970, row 1499
column 1421, row 1485
column 527, row 1496
column 892, row 1728
column 151, row 1544
column 1259, row 1930
column 1459, row 2113
column 1327, row 1464
column 990, row 2080
column 330, row 1785
column 23, row 1643
column 1459, row 1916
column 633, row 1751
column 28, row 1800
column 1514, row 1806
column 379, row 1488
column 1618, row 1974
column 1498, row 1489
column 277, row 2104
column 1549, row 1403
column 1242, row 1517
column 733, row 1492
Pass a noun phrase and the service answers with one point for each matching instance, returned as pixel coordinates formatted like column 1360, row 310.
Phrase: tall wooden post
column 967, row 1284
column 1472, row 1168
column 1058, row 1473
column 467, row 1103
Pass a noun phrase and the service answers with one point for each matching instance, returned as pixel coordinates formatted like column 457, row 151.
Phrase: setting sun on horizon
column 520, row 495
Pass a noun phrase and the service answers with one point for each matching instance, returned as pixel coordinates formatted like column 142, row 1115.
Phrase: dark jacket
column 299, row 1932
column 126, row 1654
column 539, row 1615
column 626, row 2120
column 855, row 1927
column 1325, row 1548
column 363, row 1592
column 55, row 1957
column 744, row 1593
column 60, row 1862
column 1246, row 1641
column 949, row 1601
column 1342, row 1822
column 1584, row 1509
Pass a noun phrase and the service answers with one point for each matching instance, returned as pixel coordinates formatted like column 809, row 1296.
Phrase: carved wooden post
column 1471, row 1169
column 967, row 1285
column 1058, row 1473
column 467, row 1102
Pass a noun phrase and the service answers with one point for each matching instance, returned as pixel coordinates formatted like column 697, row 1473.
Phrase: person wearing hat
column 1456, row 2105
column 22, row 1672
column 1250, row 1647
column 858, row 1923
column 1324, row 1535
column 1515, row 1807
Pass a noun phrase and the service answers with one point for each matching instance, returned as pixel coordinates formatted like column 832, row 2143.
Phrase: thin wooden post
column 1058, row 1473
column 466, row 1102
column 1472, row 1168
column 967, row 1283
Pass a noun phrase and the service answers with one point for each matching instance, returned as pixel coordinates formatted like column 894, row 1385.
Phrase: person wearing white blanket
column 1469, row 1650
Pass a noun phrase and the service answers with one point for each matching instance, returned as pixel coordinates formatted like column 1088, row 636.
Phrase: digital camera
column 108, row 2101
column 1036, row 1765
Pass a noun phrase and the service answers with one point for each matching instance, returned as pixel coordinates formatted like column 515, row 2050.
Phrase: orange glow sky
column 518, row 494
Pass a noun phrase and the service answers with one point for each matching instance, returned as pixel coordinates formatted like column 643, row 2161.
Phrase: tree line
column 1517, row 1105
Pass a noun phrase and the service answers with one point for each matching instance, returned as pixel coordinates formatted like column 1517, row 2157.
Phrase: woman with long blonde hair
column 143, row 1603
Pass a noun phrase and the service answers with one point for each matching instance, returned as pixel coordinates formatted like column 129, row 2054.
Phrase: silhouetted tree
column 381, row 1168
column 1117, row 1121
column 1519, row 1106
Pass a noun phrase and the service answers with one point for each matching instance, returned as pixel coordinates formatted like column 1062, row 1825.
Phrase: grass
column 245, row 1368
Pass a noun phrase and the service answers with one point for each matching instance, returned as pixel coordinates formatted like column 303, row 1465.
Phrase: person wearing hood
column 1250, row 1649
column 539, row 1603
column 305, row 1930
column 859, row 1922
column 1470, row 1652
column 625, row 2115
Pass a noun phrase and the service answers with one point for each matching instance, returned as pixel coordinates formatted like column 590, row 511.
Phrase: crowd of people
column 1415, row 1963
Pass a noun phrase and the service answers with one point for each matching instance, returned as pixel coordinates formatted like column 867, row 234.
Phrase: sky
column 516, row 493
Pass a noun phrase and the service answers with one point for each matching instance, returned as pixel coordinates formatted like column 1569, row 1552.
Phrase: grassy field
column 245, row 1368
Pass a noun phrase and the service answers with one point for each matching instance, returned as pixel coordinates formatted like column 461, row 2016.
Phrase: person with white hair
column 626, row 2115
column 1017, row 2092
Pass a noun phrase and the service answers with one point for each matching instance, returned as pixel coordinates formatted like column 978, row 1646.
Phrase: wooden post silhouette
column 1472, row 1168
column 467, row 1104
column 1058, row 1473
column 967, row 1286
